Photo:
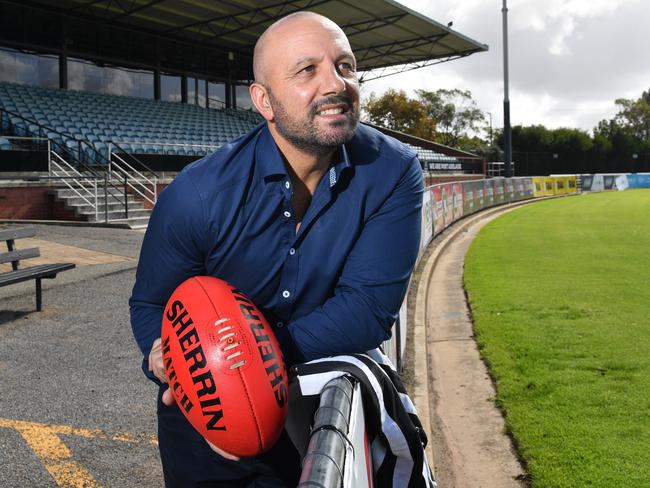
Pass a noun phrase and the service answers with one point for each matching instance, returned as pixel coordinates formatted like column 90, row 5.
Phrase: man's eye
column 346, row 67
column 308, row 69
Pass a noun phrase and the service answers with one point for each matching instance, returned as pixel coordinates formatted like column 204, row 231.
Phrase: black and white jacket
column 395, row 432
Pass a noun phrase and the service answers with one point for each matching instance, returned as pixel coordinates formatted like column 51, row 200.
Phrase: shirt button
column 286, row 294
column 287, row 185
column 292, row 251
column 287, row 214
column 280, row 325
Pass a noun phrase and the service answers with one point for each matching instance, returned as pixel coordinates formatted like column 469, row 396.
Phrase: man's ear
column 260, row 98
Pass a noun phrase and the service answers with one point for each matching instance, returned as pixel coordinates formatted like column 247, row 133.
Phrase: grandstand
column 103, row 101
column 137, row 125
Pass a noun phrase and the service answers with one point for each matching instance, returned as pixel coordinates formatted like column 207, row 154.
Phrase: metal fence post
column 49, row 158
column 96, row 204
column 106, row 197
column 110, row 158
column 155, row 190
column 126, row 197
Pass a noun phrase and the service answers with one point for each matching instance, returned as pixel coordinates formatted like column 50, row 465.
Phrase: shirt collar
column 339, row 164
column 267, row 155
column 270, row 161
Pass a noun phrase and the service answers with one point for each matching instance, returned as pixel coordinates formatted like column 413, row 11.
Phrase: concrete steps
column 82, row 203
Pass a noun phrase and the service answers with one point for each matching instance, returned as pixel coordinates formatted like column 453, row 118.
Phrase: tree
column 571, row 141
column 646, row 96
column 449, row 117
column 535, row 138
column 455, row 114
column 395, row 110
column 634, row 115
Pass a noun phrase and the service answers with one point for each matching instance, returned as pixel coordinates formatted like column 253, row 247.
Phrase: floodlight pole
column 507, row 130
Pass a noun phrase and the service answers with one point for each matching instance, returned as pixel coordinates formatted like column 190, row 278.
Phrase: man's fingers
column 222, row 453
column 156, row 365
column 168, row 398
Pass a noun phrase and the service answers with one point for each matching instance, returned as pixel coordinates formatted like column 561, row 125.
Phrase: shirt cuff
column 149, row 374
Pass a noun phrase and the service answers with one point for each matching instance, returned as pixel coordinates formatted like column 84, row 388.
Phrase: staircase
column 135, row 215
column 96, row 184
column 115, row 194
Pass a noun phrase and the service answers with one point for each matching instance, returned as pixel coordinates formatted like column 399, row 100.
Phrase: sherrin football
column 224, row 366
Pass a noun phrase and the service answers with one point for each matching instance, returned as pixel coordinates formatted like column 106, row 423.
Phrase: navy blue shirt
column 333, row 287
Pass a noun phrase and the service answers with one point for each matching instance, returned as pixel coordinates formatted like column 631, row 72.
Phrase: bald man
column 315, row 217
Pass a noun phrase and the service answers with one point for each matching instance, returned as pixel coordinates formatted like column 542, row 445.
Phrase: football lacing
column 229, row 338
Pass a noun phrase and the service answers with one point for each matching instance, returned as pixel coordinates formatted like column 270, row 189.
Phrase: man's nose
column 332, row 81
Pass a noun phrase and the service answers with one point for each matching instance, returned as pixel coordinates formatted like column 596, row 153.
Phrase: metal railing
column 92, row 194
column 324, row 463
column 29, row 141
column 62, row 156
column 165, row 144
column 144, row 181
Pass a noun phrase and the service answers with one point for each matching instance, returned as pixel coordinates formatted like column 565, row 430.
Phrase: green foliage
column 559, row 296
column 455, row 114
column 634, row 116
column 449, row 117
column 395, row 110
column 452, row 118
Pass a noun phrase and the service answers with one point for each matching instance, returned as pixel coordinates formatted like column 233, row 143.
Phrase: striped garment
column 394, row 429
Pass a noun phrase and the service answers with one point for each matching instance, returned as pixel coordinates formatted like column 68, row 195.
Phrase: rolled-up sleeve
column 374, row 279
column 171, row 253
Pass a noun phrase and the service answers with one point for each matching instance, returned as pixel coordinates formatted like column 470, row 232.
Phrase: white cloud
column 569, row 59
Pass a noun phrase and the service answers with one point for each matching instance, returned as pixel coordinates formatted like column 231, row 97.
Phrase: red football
column 224, row 366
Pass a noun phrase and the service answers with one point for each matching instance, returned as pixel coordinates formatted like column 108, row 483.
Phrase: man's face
column 313, row 87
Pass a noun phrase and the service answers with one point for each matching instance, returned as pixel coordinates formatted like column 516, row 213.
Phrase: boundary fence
column 446, row 203
column 338, row 456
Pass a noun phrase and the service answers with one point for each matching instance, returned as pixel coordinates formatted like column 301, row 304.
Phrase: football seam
column 252, row 407
column 214, row 307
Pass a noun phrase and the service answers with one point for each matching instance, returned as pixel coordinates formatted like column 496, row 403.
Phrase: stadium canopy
column 386, row 36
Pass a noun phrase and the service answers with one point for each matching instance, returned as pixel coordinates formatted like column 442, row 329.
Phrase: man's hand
column 222, row 453
column 156, row 365
column 168, row 399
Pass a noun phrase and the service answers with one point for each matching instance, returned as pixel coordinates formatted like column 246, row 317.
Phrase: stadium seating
column 428, row 156
column 138, row 125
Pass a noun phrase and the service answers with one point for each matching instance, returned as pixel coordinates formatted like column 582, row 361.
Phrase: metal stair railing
column 110, row 190
column 74, row 176
column 141, row 179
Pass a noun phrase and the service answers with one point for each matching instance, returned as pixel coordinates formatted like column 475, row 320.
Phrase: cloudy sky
column 569, row 59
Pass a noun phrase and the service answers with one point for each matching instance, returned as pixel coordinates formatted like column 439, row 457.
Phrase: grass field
column 560, row 296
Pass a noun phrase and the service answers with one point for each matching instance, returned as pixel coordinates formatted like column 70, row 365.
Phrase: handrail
column 78, row 161
column 66, row 135
column 22, row 138
column 153, row 182
column 174, row 144
column 117, row 145
column 323, row 463
column 61, row 168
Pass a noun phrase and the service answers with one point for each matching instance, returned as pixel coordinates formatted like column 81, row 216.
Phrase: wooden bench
column 14, row 256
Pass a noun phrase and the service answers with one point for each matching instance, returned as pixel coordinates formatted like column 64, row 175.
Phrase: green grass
column 560, row 296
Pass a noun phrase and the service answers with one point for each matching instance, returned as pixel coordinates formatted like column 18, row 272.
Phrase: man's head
column 306, row 85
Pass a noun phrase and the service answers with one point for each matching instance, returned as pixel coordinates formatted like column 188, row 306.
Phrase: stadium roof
column 385, row 36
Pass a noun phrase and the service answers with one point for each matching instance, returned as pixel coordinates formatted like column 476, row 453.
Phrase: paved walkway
column 470, row 447
column 75, row 409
